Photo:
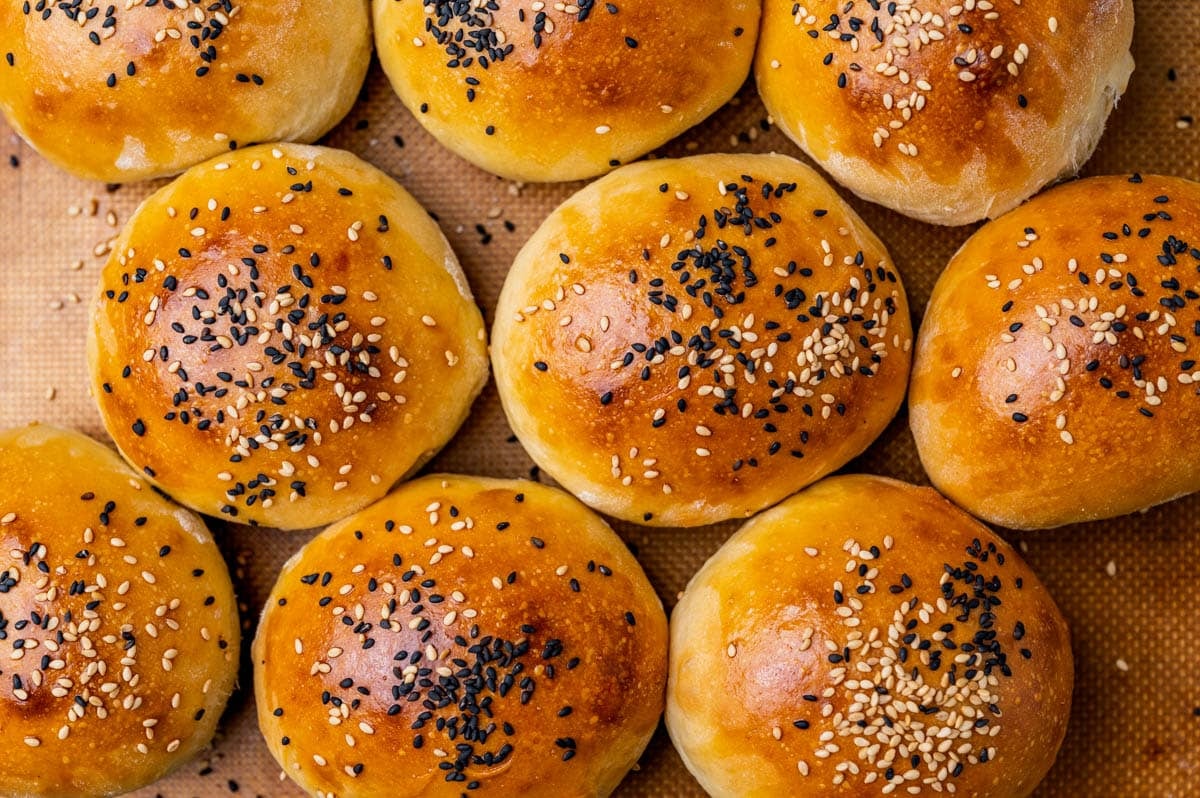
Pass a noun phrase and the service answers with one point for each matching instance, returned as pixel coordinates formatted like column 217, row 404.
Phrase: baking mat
column 1128, row 586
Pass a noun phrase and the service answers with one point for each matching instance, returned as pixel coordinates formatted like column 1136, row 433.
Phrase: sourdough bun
column 554, row 91
column 463, row 633
column 148, row 88
column 686, row 341
column 281, row 334
column 1056, row 369
column 120, row 626
column 867, row 638
column 948, row 112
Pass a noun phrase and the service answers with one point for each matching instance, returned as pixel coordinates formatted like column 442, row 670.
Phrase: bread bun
column 1057, row 361
column 686, row 341
column 281, row 334
column 147, row 88
column 867, row 638
column 463, row 633
column 117, row 621
column 950, row 112
column 548, row 91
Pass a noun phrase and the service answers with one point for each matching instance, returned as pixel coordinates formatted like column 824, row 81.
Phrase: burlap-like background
column 1133, row 732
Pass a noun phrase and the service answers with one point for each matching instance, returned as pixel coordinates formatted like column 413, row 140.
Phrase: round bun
column 950, row 113
column 563, row 92
column 281, row 335
column 147, row 89
column 1057, row 364
column 693, row 340
column 462, row 634
column 120, row 628
column 868, row 638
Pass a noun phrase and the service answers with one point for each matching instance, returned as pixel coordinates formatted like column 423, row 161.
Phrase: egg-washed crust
column 691, row 340
column 462, row 636
column 947, row 111
column 282, row 334
column 549, row 91
column 867, row 638
column 118, row 624
column 1056, row 368
column 136, row 89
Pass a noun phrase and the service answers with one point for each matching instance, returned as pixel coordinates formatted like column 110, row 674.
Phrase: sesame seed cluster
column 902, row 30
column 1101, row 308
column 200, row 25
column 921, row 705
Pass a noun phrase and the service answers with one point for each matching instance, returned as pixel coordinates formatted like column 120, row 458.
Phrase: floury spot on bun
column 281, row 334
column 563, row 91
column 121, row 632
column 867, row 638
column 1056, row 374
column 134, row 90
column 474, row 635
column 686, row 341
column 948, row 112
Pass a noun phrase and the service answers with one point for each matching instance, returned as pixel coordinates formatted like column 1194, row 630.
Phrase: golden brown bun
column 948, row 112
column 866, row 638
column 695, row 432
column 463, row 631
column 147, row 88
column 1056, row 371
column 120, row 628
column 547, row 91
column 323, row 314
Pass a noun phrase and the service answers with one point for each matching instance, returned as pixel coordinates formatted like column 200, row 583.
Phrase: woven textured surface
column 1133, row 731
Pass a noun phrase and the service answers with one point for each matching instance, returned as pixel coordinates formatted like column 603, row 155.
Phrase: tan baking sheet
column 1133, row 732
